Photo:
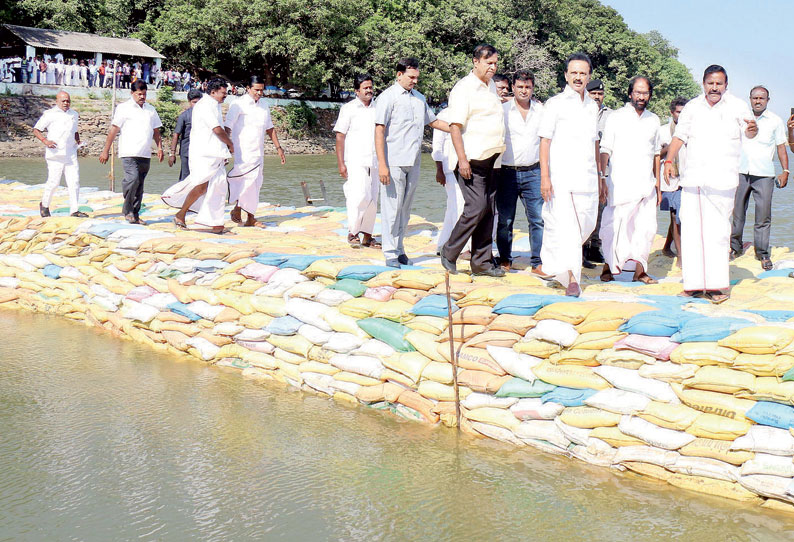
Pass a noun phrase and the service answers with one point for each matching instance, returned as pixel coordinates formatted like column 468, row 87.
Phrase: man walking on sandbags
column 631, row 141
column 181, row 136
column 712, row 126
column 60, row 123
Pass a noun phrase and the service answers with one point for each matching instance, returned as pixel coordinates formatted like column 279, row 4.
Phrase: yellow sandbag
column 457, row 290
column 271, row 306
column 670, row 416
column 288, row 357
column 462, row 332
column 238, row 301
column 255, row 320
column 355, row 378
column 370, row 394
column 495, row 416
column 249, row 286
column 428, row 324
column 290, row 371
column 202, row 293
column 331, row 267
column 318, row 367
column 768, row 388
column 715, row 449
column 713, row 402
column 710, row 486
column 705, row 353
column 411, row 364
column 587, row 417
column 513, row 323
column 576, row 356
column 648, row 469
column 137, row 278
column 345, row 397
column 318, row 353
column 615, row 437
column 440, row 392
column 491, row 295
column 764, row 364
column 425, row 343
column 569, row 376
column 260, row 359
column 718, row 427
column 399, row 378
column 482, row 381
column 231, row 351
column 235, row 265
column 720, row 379
column 474, row 314
column 610, row 316
column 421, row 279
column 440, row 372
column 628, row 359
column 394, row 310
column 382, row 279
column 522, row 279
column 780, row 506
column 477, row 359
column 343, row 323
column 573, row 313
column 759, row 339
column 409, row 295
column 537, row 348
column 597, row 340
column 359, row 307
column 305, row 290
column 420, row 404
column 505, row 339
column 295, row 344
column 227, row 314
column 227, row 281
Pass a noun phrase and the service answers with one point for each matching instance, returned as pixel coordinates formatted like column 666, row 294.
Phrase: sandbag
column 709, row 468
column 767, row 440
column 391, row 333
column 524, row 304
column 570, row 312
column 668, row 371
column 773, row 465
column 553, row 331
column 759, row 339
column 708, row 329
column 355, row 288
column 285, row 325
column 720, row 379
column 610, row 316
column 514, row 363
column 541, row 430
column 618, row 401
column 411, row 364
column 426, row 344
column 516, row 387
column 772, row 414
column 512, row 323
column 713, row 402
column 646, row 454
column 533, row 408
column 536, row 348
column 474, row 314
column 718, row 427
column 703, row 353
column 654, row 435
column 669, row 416
column 429, row 324
column 715, row 449
column 494, row 416
column 657, row 323
column 629, row 380
column 481, row 400
column 570, row 376
column 568, row 397
column 587, row 417
column 658, row 347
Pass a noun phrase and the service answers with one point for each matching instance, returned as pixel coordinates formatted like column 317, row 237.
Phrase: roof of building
column 80, row 41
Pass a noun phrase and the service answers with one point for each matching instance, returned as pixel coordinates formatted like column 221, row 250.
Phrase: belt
column 533, row 167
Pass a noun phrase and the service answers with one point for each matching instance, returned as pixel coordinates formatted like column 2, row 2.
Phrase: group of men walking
column 590, row 179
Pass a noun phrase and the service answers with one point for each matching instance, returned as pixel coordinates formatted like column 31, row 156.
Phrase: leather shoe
column 129, row 217
column 588, row 264
column 79, row 214
column 44, row 211
column 449, row 265
column 766, row 263
column 492, row 272
column 733, row 255
column 403, row 259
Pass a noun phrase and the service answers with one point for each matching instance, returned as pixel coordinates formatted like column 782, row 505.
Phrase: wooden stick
column 112, row 173
column 452, row 354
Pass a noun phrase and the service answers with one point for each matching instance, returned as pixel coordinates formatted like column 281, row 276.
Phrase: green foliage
column 167, row 109
column 297, row 119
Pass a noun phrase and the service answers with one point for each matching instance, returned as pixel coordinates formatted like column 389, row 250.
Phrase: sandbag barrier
column 698, row 396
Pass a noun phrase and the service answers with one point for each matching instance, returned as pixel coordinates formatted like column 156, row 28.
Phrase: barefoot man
column 628, row 225
column 712, row 127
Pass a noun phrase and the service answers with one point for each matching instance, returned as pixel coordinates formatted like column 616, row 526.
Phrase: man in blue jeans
column 520, row 172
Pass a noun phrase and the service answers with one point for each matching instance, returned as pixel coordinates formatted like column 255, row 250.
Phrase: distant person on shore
column 570, row 180
column 101, row 74
column 444, row 156
column 520, row 172
column 591, row 251
column 712, row 127
column 357, row 163
column 204, row 190
column 401, row 114
column 50, row 67
column 92, row 73
column 631, row 142
column 61, row 142
column 83, row 74
column 477, row 131
column 757, row 177
column 139, row 124
column 42, row 71
column 503, row 87
column 181, row 136
column 248, row 120
column 671, row 192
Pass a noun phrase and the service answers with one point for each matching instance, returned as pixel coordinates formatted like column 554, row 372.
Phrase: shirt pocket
column 402, row 113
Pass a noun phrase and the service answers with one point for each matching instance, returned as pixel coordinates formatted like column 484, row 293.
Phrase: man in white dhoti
column 569, row 174
column 357, row 163
column 443, row 153
column 204, row 190
column 628, row 225
column 60, row 123
column 712, row 127
column 247, row 122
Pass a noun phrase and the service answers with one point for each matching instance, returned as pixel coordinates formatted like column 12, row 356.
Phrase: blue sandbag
column 52, row 271
column 569, row 397
column 181, row 309
column 708, row 329
column 210, row 266
column 271, row 258
column 671, row 301
column 433, row 305
column 772, row 414
column 362, row 272
column 302, row 261
column 773, row 316
column 775, row 273
column 105, row 229
column 661, row 323
column 518, row 387
column 528, row 304
column 284, row 325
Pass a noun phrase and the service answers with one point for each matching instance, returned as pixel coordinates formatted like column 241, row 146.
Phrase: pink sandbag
column 381, row 293
column 139, row 293
column 258, row 271
column 257, row 346
column 658, row 347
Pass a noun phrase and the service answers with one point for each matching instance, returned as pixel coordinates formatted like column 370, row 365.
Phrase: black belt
column 533, row 167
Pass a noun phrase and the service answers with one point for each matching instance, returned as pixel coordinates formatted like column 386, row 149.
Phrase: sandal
column 179, row 223
column 372, row 244
column 645, row 278
column 717, row 297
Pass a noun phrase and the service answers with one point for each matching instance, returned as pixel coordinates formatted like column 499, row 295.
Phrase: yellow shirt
column 477, row 108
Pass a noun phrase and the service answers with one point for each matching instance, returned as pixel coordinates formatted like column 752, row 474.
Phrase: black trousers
column 135, row 170
column 476, row 221
column 184, row 169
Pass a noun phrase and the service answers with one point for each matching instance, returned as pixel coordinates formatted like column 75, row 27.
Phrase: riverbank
column 629, row 377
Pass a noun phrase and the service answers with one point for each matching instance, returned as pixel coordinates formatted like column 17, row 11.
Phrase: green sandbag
column 518, row 387
column 789, row 375
column 353, row 287
column 65, row 210
column 389, row 332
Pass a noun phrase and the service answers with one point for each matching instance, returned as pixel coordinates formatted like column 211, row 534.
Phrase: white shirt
column 758, row 153
column 442, row 150
column 478, row 109
column 522, row 143
column 665, row 138
column 357, row 122
column 137, row 125
column 60, row 126
column 572, row 125
column 632, row 141
column 248, row 121
column 203, row 141
column 713, row 135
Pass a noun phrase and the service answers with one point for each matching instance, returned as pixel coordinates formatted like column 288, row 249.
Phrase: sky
column 752, row 40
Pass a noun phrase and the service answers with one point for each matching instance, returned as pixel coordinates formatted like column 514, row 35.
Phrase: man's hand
column 49, row 143
column 546, row 190
column 464, row 168
column 668, row 172
column 782, row 179
column 171, row 160
column 790, row 122
column 752, row 127
column 441, row 178
column 283, row 157
column 658, row 196
column 343, row 171
column 383, row 173
column 230, row 146
column 603, row 190
column 103, row 157
column 160, row 155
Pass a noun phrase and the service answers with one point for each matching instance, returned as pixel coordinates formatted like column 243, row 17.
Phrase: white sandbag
column 287, row 276
column 594, row 457
column 308, row 312
column 98, row 289
column 160, row 301
column 12, row 282
column 766, row 440
column 138, row 311
column 257, row 346
column 702, row 466
column 497, row 433
column 206, row 279
column 320, row 382
column 646, row 454
column 553, row 331
column 332, row 297
column 105, row 303
column 348, row 387
column 343, row 343
column 305, row 290
column 314, row 334
column 205, row 310
column 26, row 235
column 774, row 487
column 668, row 371
column 252, row 335
column 363, row 365
column 187, row 278
column 206, row 349
column 480, row 400
column 227, row 329
column 630, row 380
column 186, row 265
column 577, row 435
column 774, row 465
column 36, row 260
column 70, row 272
column 542, row 430
column 654, row 435
column 16, row 261
column 533, row 408
column 116, row 272
column 513, row 363
column 618, row 401
column 374, row 347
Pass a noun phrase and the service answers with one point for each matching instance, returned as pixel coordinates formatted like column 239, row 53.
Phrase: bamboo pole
column 112, row 174
column 452, row 354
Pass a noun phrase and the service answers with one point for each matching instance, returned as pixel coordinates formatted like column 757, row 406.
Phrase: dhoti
column 361, row 195
column 67, row 167
column 568, row 220
column 245, row 182
column 705, row 237
column 210, row 206
column 453, row 212
column 627, row 232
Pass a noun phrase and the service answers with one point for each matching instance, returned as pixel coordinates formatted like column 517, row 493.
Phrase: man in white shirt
column 477, row 131
column 60, row 123
column 591, row 250
column 139, row 124
column 520, row 172
column 712, row 127
column 569, row 174
column 204, row 190
column 355, row 158
column 631, row 142
column 247, row 122
column 671, row 192
column 444, row 156
column 757, row 177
